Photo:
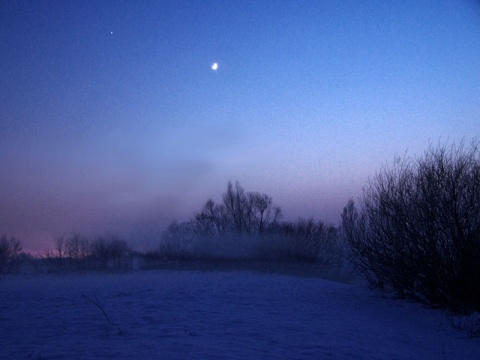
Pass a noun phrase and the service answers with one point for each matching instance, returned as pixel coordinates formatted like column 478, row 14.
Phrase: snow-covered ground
column 216, row 315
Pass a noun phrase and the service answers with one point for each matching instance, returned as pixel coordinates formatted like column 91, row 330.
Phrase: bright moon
column 214, row 66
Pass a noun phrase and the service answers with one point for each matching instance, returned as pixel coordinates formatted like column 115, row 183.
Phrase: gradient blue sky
column 112, row 120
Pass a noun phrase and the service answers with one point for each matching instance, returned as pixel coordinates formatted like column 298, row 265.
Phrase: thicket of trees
column 417, row 229
column 246, row 225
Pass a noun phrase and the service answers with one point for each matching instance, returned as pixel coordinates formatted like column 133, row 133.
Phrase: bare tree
column 77, row 247
column 10, row 249
column 262, row 211
column 59, row 246
column 240, row 213
column 73, row 246
column 237, row 208
column 212, row 220
column 249, row 212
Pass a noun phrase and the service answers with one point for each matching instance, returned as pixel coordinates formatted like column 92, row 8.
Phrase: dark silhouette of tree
column 212, row 220
column 249, row 212
column 263, row 213
column 77, row 248
column 240, row 213
column 237, row 208
column 10, row 249
column 59, row 246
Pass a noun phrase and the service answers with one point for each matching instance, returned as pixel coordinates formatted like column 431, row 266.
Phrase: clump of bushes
column 417, row 229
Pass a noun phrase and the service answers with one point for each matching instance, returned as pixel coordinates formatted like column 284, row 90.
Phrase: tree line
column 72, row 253
column 78, row 252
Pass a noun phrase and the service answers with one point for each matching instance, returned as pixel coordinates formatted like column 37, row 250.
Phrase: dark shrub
column 418, row 227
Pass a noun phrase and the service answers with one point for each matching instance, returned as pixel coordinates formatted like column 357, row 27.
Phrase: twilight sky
column 112, row 120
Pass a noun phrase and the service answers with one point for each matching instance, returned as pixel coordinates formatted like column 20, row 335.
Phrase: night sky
column 113, row 121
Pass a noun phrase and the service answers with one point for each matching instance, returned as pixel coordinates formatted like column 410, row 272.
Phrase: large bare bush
column 418, row 227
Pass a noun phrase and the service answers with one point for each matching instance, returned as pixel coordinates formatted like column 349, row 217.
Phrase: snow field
column 216, row 315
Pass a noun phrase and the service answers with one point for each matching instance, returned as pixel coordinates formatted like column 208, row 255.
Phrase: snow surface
column 216, row 315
